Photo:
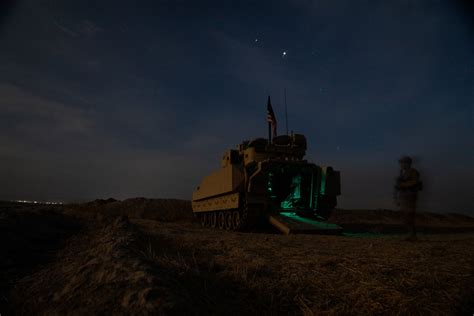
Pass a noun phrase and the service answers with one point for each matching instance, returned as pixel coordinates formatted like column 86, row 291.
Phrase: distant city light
column 37, row 202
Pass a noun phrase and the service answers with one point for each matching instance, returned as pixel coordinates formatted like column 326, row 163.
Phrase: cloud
column 84, row 28
column 65, row 29
column 89, row 28
column 54, row 150
column 52, row 115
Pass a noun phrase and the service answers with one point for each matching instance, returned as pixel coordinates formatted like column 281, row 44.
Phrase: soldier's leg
column 405, row 210
column 407, row 206
column 411, row 220
column 412, row 206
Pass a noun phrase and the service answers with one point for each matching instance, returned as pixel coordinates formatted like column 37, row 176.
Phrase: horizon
column 71, row 202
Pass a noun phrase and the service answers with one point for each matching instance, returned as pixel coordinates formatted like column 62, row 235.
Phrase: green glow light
column 295, row 194
column 323, row 183
column 270, row 184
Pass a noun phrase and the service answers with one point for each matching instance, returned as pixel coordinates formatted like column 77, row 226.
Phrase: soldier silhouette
column 406, row 188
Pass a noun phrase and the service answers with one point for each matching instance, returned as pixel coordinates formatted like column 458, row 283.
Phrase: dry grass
column 159, row 267
column 328, row 274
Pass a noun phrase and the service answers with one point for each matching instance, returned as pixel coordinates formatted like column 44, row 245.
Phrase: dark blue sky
column 123, row 99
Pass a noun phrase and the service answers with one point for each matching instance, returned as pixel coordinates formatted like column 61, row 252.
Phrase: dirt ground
column 65, row 260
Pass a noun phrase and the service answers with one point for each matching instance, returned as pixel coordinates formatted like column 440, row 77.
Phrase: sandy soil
column 99, row 264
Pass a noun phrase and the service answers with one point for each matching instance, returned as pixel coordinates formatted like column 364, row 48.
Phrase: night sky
column 121, row 99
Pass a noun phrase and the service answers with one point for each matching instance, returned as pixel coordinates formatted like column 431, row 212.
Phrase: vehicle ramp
column 291, row 223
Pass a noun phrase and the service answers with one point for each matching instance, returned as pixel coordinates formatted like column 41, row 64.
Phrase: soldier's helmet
column 405, row 159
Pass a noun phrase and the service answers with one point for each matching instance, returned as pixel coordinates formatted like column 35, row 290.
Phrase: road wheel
column 221, row 220
column 204, row 219
column 236, row 220
column 228, row 220
column 213, row 219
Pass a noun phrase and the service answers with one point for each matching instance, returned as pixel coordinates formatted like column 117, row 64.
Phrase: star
column 283, row 54
column 256, row 40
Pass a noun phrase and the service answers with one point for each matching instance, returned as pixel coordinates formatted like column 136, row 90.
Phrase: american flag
column 271, row 117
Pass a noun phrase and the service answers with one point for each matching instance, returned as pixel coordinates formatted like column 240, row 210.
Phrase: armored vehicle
column 268, row 180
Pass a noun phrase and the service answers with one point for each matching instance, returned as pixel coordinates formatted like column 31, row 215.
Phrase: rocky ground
column 147, row 257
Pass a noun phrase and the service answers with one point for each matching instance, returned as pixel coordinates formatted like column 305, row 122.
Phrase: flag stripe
column 271, row 116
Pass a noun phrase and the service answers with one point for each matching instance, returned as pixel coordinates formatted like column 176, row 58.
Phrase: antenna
column 286, row 112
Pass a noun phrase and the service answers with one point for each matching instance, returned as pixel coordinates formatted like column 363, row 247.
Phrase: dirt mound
column 29, row 236
column 99, row 272
column 118, row 269
column 168, row 210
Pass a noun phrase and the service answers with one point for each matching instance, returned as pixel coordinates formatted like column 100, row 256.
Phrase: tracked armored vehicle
column 268, row 180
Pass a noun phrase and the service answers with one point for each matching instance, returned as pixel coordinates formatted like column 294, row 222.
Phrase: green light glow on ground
column 323, row 225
